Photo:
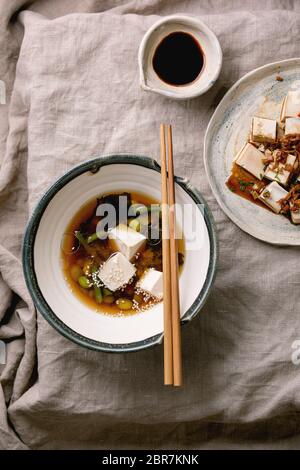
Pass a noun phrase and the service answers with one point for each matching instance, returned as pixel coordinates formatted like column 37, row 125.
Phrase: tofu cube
column 290, row 105
column 152, row 283
column 292, row 126
column 127, row 240
column 271, row 194
column 116, row 272
column 251, row 159
column 263, row 130
column 295, row 216
column 280, row 174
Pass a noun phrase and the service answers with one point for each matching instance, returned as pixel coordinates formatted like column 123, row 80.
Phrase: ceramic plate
column 42, row 262
column 257, row 93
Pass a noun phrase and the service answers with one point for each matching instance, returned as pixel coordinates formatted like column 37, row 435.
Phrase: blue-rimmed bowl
column 42, row 261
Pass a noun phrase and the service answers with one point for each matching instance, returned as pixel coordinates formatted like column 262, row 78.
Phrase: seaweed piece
column 114, row 200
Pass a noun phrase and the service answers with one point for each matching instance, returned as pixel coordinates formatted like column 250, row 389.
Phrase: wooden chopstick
column 172, row 330
column 168, row 348
column 176, row 329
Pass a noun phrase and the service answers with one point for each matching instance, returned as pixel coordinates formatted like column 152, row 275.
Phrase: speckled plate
column 257, row 93
column 42, row 262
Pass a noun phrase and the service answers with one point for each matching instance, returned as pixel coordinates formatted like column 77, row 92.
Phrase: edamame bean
column 84, row 282
column 124, row 304
column 75, row 272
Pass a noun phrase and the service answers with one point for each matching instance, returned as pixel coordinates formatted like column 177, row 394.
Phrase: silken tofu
column 116, row 272
column 263, row 130
column 271, row 196
column 152, row 283
column 282, row 173
column 290, row 105
column 251, row 159
column 127, row 240
column 292, row 126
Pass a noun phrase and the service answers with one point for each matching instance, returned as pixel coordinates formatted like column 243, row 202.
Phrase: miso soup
column 88, row 250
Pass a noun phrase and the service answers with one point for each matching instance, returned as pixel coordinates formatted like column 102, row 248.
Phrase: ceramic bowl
column 42, row 262
column 209, row 43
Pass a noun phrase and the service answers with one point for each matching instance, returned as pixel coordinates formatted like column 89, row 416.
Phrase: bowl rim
column 187, row 19
column 42, row 306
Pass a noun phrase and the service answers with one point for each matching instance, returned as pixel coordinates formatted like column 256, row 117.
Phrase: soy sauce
column 178, row 59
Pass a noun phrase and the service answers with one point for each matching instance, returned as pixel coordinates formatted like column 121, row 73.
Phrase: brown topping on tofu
column 276, row 156
column 291, row 202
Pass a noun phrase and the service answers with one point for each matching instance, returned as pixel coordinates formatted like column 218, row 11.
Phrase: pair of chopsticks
column 172, row 331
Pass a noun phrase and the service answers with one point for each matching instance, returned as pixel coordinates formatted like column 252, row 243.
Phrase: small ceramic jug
column 150, row 81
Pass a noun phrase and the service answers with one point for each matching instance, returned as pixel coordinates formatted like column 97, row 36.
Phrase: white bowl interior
column 47, row 261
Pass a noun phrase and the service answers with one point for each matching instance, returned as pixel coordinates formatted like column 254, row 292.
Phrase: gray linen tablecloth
column 72, row 92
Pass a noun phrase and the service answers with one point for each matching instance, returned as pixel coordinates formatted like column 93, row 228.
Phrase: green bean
column 83, row 242
column 98, row 294
column 92, row 238
column 84, row 282
column 80, row 237
column 96, row 236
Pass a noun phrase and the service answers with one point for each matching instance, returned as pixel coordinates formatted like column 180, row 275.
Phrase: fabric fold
column 73, row 93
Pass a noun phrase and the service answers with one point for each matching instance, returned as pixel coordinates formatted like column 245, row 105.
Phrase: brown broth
column 241, row 183
column 149, row 257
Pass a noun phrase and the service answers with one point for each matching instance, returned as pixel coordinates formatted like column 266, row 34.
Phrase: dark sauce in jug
column 178, row 59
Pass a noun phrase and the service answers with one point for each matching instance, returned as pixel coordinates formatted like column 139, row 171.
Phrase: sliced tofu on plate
column 291, row 105
column 263, row 130
column 251, row 159
column 292, row 126
column 282, row 173
column 271, row 196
